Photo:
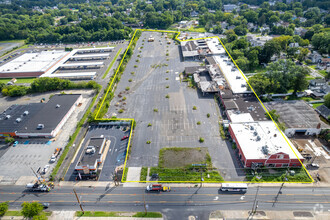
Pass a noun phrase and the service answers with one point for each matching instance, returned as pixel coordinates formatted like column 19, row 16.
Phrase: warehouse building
column 261, row 143
column 298, row 116
column 43, row 120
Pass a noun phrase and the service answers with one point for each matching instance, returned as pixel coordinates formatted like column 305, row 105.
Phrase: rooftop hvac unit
column 238, row 77
column 40, row 126
column 255, row 133
column 258, row 138
column 8, row 116
column 18, row 120
column 265, row 150
column 251, row 127
column 243, row 85
column 26, row 113
column 57, row 106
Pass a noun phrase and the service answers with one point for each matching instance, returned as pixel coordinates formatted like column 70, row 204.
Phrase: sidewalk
column 279, row 215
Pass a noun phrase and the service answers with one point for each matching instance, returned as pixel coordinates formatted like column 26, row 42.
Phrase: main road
column 177, row 204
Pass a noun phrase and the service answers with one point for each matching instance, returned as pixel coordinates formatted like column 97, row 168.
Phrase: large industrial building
column 262, row 144
column 42, row 120
column 52, row 63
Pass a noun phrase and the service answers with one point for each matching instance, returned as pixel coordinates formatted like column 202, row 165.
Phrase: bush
column 121, row 111
column 208, row 115
column 9, row 140
column 133, row 73
column 167, row 96
column 201, row 140
column 135, row 66
column 31, row 209
column 155, row 110
column 130, row 80
column 198, row 123
column 167, row 87
column 194, row 108
column 148, row 142
column 124, row 98
column 3, row 208
column 166, row 78
column 149, row 125
column 127, row 88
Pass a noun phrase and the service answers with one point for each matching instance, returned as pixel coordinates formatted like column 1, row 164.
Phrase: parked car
column 15, row 143
column 46, row 168
column 125, row 137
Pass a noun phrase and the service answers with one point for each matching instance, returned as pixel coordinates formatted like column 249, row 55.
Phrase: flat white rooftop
column 233, row 76
column 94, row 49
column 259, row 140
column 215, row 46
column 90, row 55
column 73, row 75
column 239, row 117
column 33, row 62
column 81, row 64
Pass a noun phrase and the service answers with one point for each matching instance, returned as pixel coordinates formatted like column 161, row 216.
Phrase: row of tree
column 281, row 77
column 45, row 84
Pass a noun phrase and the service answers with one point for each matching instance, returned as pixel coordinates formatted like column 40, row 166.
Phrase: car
column 53, row 159
column 157, row 188
column 125, row 137
column 45, row 205
column 315, row 165
column 46, row 168
column 15, row 143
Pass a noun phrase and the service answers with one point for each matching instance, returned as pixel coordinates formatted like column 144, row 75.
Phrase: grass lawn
column 19, row 80
column 18, row 213
column 148, row 215
column 323, row 72
column 309, row 77
column 111, row 64
column 278, row 175
column 315, row 105
column 97, row 214
column 144, row 173
column 193, row 29
column 176, row 164
column 11, row 41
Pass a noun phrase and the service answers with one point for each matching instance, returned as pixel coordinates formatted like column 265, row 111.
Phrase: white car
column 45, row 169
column 52, row 159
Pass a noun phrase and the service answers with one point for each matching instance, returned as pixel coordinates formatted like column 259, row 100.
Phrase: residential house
column 194, row 14
column 300, row 31
column 230, row 7
column 293, row 45
column 324, row 111
column 317, row 83
column 315, row 57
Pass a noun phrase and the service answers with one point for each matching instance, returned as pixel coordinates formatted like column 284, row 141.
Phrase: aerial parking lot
column 32, row 153
column 114, row 155
column 168, row 113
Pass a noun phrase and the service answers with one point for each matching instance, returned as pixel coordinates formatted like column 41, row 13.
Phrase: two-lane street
column 182, row 201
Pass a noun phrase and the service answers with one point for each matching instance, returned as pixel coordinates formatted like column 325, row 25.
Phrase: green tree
column 32, row 209
column 9, row 140
column 272, row 114
column 240, row 30
column 327, row 100
column 3, row 208
column 260, row 84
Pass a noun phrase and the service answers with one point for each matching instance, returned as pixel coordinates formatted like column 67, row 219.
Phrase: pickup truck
column 158, row 188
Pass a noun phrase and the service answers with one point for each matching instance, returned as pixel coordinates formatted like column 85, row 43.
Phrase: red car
column 123, row 138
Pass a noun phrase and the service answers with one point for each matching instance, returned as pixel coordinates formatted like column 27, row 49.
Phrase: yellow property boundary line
column 132, row 120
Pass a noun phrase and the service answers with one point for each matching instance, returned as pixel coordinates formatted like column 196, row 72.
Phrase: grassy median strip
column 19, row 213
column 119, row 214
column 111, row 64
column 144, row 173
column 73, row 138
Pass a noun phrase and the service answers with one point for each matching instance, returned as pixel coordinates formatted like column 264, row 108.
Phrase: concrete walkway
column 279, row 215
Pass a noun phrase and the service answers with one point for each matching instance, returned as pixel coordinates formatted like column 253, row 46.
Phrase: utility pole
column 255, row 199
column 78, row 201
column 144, row 204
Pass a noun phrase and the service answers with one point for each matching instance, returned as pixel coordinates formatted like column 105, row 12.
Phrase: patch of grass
column 155, row 110
column 167, row 71
column 135, row 66
column 198, row 123
column 222, row 131
column 137, row 60
column 97, row 214
column 143, row 174
column 166, row 78
column 323, row 72
column 148, row 215
column 121, row 111
column 19, row 80
column 130, row 80
column 125, row 173
column 111, row 64
column 167, row 59
column 167, row 96
column 315, row 105
column 13, row 213
column 167, row 87
column 133, row 73
column 127, row 88
column 201, row 140
column 278, row 175
column 167, row 54
column 194, row 107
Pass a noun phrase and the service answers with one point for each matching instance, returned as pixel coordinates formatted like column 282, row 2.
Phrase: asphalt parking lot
column 16, row 162
column 115, row 156
column 174, row 123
